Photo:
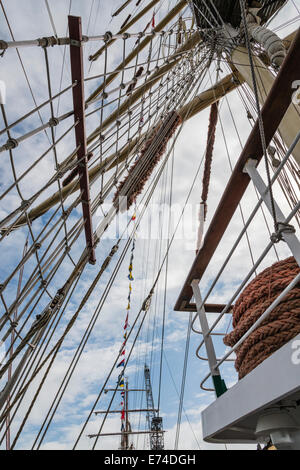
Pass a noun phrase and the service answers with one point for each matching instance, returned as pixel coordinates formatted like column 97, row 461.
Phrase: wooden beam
column 123, row 432
column 144, row 410
column 152, row 80
column 209, row 308
column 198, row 104
column 174, row 12
column 275, row 107
column 76, row 55
column 128, row 25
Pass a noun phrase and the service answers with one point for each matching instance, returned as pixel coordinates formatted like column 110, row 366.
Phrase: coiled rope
column 280, row 326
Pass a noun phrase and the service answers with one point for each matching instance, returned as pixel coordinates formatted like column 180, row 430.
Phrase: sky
column 30, row 20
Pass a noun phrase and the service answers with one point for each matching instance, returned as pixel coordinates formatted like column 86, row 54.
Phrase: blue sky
column 105, row 340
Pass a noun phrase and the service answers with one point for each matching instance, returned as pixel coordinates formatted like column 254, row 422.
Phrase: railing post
column 218, row 382
column 285, row 231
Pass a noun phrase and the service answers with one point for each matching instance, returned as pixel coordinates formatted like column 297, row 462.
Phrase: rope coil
column 282, row 324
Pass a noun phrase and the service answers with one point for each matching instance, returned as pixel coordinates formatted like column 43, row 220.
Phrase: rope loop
column 4, row 47
column 47, row 41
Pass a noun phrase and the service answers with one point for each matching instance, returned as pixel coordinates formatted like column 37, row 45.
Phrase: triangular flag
column 121, row 364
column 153, row 20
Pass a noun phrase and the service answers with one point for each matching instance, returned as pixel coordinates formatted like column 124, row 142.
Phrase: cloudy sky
column 31, row 20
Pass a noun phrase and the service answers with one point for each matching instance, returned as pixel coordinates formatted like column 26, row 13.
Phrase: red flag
column 121, row 364
column 153, row 20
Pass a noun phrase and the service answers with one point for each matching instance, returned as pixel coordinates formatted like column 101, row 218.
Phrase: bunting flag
column 153, row 20
column 121, row 364
column 126, row 325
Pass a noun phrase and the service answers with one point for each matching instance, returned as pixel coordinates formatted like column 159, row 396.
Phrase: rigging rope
column 184, row 371
column 213, row 119
column 260, row 120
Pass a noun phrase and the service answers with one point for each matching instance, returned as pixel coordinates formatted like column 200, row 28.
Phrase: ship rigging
column 110, row 138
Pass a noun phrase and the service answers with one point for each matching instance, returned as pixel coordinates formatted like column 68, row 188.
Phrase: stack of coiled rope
column 280, row 326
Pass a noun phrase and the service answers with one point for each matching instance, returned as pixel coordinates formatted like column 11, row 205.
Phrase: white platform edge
column 274, row 379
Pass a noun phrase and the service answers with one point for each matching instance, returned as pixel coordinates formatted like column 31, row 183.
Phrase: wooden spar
column 76, row 55
column 121, row 8
column 198, row 104
column 144, row 410
column 209, row 308
column 138, row 49
column 153, row 79
column 121, row 433
column 130, row 23
column 188, row 45
column 210, row 96
column 273, row 111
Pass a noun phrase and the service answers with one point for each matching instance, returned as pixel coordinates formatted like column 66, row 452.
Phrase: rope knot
column 107, row 36
column 53, row 122
column 281, row 229
column 4, row 47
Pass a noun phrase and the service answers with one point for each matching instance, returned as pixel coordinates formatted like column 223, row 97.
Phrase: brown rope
column 213, row 119
column 72, row 175
column 151, row 153
column 134, row 80
column 280, row 326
